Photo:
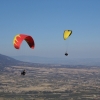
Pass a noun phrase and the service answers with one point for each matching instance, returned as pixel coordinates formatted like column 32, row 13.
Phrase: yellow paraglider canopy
column 66, row 34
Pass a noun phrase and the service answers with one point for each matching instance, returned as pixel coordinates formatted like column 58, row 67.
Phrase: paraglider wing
column 20, row 37
column 66, row 34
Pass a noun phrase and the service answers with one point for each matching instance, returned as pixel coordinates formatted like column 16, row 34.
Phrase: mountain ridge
column 6, row 61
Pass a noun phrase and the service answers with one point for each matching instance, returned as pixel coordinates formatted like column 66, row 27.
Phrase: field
column 45, row 83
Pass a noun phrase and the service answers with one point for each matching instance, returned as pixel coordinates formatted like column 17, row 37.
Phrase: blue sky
column 45, row 21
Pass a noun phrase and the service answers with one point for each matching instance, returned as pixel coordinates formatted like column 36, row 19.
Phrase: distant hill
column 6, row 61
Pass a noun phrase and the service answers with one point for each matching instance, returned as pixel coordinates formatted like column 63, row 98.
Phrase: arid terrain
column 50, row 83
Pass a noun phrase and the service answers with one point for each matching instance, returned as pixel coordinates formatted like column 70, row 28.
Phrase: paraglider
column 66, row 35
column 20, row 37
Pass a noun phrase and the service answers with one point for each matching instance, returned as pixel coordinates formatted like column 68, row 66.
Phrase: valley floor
column 44, row 83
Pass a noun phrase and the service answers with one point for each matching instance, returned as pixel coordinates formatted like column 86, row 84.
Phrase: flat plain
column 50, row 83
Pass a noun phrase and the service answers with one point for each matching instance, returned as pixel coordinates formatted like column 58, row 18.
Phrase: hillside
column 6, row 61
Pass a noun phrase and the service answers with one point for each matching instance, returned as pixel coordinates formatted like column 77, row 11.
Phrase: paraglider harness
column 23, row 72
column 66, row 54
